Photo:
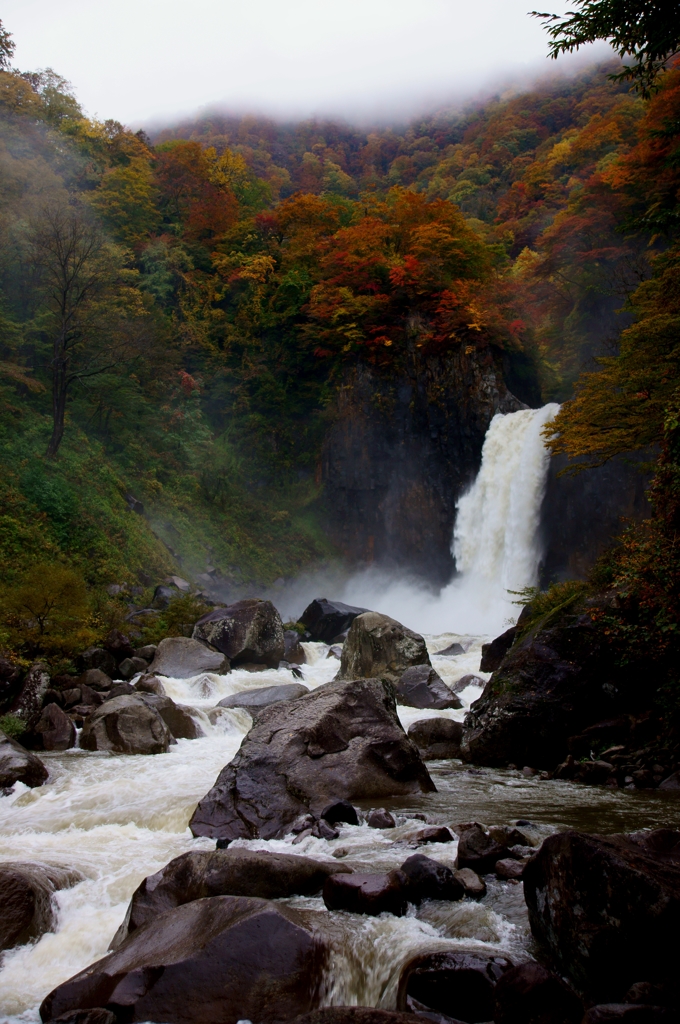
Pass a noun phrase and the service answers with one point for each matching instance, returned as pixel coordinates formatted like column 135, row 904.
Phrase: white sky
column 141, row 61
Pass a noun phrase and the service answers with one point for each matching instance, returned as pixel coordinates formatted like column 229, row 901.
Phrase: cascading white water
column 495, row 543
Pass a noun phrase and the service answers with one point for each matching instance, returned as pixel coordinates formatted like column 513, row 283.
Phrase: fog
column 149, row 61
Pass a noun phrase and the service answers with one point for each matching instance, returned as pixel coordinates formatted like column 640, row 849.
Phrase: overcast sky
column 141, row 61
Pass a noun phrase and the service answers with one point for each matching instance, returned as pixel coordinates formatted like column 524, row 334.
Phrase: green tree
column 645, row 30
column 7, row 48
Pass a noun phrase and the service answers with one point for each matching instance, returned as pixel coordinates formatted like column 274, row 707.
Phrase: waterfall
column 495, row 541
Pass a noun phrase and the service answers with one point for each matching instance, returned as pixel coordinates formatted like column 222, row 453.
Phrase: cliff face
column 581, row 515
column 401, row 450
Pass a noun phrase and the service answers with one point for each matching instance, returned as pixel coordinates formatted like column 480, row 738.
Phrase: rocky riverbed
column 116, row 819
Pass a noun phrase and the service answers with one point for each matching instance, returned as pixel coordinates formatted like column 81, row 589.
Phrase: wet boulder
column 494, row 652
column 28, row 703
column 205, row 873
column 340, row 741
column 452, row 651
column 19, row 765
column 178, row 717
column 263, row 696
column 55, row 728
column 247, row 631
column 180, row 657
column 607, row 909
column 378, row 646
column 555, row 681
column 212, row 961
column 294, row 652
column 380, row 818
column 530, row 994
column 474, row 886
column 477, row 849
column 468, row 680
column 437, row 738
column 422, row 687
column 340, row 811
column 126, row 725
column 324, row 620
column 26, row 891
column 430, row 880
column 367, row 893
column 149, row 683
column 459, row 984
column 95, row 679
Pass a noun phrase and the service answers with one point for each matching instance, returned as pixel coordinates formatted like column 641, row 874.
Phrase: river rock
column 10, row 682
column 95, row 679
column 554, row 682
column 530, row 994
column 206, row 873
column 178, row 717
column 180, row 657
column 477, row 849
column 378, row 646
column 130, row 667
column 324, row 620
column 19, row 765
column 149, row 683
column 341, row 741
column 468, row 680
column 97, row 657
column 56, row 730
column 436, row 738
column 29, row 702
column 509, row 869
column 430, row 880
column 212, row 961
column 118, row 645
column 452, row 651
column 340, row 812
column 474, row 886
column 247, row 631
column 672, row 783
column 96, row 1015
column 126, row 725
column 263, row 696
column 380, row 818
column 494, row 652
column 607, row 909
column 422, row 687
column 368, row 894
column 147, row 652
column 294, row 652
column 458, row 984
column 26, row 891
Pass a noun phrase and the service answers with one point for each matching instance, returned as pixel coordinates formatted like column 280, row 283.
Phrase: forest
column 179, row 313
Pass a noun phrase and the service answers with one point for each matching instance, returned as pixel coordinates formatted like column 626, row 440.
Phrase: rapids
column 119, row 818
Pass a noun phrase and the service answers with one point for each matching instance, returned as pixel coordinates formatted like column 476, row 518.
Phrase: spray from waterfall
column 495, row 542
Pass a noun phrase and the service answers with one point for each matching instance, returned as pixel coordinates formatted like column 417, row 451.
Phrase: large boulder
column 26, row 891
column 97, row 657
column 436, row 738
column 368, row 894
column 263, row 696
column 28, row 703
column 494, row 652
column 56, row 730
column 119, row 645
column 325, row 620
column 554, row 682
column 607, row 909
column 430, row 880
column 459, row 984
column 378, row 646
column 180, row 657
column 478, row 849
column 341, row 741
column 19, row 765
column 179, row 718
column 422, row 687
column 530, row 994
column 212, row 961
column 204, row 873
column 126, row 725
column 248, row 631
column 293, row 652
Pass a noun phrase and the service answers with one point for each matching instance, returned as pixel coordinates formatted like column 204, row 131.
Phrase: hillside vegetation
column 177, row 314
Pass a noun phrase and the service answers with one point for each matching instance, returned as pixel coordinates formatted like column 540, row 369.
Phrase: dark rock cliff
column 581, row 515
column 401, row 450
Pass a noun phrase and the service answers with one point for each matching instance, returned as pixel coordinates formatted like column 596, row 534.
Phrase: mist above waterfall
column 495, row 544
